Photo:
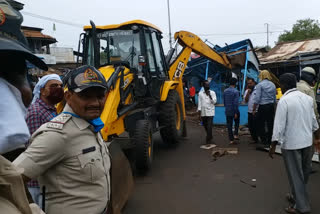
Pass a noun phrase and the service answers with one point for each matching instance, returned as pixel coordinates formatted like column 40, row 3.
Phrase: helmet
column 309, row 70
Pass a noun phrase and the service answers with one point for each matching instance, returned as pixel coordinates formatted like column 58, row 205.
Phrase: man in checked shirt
column 47, row 92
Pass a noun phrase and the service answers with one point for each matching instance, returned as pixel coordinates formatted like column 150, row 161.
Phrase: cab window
column 150, row 53
column 157, row 51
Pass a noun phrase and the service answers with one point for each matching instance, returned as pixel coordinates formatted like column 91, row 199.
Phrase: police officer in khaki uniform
column 68, row 154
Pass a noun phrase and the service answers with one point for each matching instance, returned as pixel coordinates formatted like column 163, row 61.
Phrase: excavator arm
column 187, row 39
column 190, row 43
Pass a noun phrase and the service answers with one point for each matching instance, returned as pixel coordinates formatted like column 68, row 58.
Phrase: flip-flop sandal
column 292, row 210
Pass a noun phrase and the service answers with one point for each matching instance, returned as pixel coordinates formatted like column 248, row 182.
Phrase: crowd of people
column 74, row 177
column 292, row 123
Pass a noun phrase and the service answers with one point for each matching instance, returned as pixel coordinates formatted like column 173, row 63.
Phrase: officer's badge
column 59, row 121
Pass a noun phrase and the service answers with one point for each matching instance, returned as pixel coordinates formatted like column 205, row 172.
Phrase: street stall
column 200, row 69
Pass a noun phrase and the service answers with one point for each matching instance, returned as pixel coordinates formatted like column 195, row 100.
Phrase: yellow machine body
column 114, row 125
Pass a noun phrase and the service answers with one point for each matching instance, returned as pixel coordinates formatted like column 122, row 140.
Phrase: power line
column 81, row 26
column 237, row 34
column 52, row 19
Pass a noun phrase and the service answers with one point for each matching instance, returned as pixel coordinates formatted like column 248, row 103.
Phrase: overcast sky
column 218, row 21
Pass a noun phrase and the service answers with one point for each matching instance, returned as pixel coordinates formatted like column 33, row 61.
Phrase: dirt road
column 185, row 180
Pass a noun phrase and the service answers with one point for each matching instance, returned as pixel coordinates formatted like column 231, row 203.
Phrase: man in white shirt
column 206, row 101
column 249, row 98
column 294, row 125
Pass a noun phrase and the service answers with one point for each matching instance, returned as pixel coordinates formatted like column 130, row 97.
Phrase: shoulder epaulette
column 59, row 121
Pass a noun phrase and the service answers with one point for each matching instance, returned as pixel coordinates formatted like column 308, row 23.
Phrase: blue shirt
column 231, row 101
column 265, row 93
column 14, row 130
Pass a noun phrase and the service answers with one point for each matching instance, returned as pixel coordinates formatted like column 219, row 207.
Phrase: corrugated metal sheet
column 288, row 50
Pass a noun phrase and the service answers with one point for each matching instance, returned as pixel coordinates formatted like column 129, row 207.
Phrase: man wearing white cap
column 47, row 92
column 306, row 83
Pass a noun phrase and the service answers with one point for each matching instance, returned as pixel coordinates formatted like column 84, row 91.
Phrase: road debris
column 208, row 146
column 252, row 185
column 219, row 152
column 244, row 131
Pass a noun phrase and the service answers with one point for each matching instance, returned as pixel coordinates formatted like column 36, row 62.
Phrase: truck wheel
column 171, row 118
column 143, row 145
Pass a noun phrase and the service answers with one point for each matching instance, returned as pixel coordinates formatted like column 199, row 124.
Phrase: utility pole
column 170, row 41
column 267, row 24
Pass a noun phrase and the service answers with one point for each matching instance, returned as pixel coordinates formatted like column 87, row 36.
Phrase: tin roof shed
column 283, row 52
column 292, row 57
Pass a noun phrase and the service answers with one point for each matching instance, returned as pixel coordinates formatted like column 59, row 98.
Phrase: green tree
column 303, row 29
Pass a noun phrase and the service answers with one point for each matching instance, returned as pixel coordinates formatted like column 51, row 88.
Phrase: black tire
column 143, row 145
column 171, row 118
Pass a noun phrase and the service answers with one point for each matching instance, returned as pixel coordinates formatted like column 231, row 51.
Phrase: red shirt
column 192, row 91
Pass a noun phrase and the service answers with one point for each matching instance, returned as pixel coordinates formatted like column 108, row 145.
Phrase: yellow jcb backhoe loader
column 145, row 91
column 145, row 85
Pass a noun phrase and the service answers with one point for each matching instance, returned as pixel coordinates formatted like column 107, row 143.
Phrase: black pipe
column 44, row 198
column 94, row 41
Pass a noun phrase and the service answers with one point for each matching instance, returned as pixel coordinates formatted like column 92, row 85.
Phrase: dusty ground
column 185, row 180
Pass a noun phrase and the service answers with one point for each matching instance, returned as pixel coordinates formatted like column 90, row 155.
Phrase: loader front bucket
column 121, row 178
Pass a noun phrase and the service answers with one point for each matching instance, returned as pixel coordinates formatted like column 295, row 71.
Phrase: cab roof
column 116, row 26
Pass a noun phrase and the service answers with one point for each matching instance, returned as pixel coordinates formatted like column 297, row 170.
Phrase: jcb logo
column 179, row 70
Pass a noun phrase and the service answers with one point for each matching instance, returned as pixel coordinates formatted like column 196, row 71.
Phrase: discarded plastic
column 208, row 146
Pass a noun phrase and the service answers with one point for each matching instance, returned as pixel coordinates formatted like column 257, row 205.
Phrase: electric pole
column 170, row 41
column 267, row 24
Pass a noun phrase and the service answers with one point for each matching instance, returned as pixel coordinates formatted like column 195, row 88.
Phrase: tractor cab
column 135, row 45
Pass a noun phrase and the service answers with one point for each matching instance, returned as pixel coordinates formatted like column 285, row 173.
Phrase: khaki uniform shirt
column 13, row 198
column 73, row 164
column 305, row 88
